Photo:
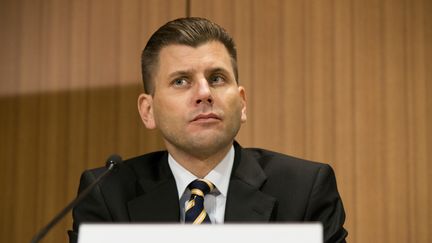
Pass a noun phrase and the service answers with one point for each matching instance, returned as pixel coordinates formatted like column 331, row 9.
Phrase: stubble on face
column 200, row 140
column 176, row 108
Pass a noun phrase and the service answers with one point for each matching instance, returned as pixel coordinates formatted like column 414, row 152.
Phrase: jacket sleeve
column 325, row 206
column 91, row 209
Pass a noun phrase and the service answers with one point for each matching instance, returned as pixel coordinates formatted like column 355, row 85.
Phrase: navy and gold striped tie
column 195, row 212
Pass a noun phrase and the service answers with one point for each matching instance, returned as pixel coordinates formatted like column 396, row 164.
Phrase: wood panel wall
column 347, row 82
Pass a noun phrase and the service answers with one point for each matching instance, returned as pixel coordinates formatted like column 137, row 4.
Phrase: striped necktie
column 195, row 212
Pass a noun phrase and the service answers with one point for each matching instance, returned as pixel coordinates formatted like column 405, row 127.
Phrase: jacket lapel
column 245, row 201
column 159, row 199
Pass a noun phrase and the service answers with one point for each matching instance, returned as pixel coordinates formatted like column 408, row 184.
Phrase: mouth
column 206, row 118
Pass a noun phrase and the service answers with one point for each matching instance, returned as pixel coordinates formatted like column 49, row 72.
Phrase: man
column 192, row 97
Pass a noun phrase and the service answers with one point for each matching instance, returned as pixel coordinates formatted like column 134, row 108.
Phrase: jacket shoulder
column 288, row 178
column 120, row 186
column 270, row 160
column 133, row 166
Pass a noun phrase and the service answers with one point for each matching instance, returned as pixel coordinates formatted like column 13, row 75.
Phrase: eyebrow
column 180, row 73
column 218, row 70
column 190, row 71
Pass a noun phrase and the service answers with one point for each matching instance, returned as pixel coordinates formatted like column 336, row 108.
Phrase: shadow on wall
column 48, row 139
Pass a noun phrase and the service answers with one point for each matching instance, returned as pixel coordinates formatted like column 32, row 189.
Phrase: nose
column 204, row 93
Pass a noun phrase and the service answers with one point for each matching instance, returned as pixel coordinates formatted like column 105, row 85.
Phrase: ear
column 242, row 94
column 145, row 108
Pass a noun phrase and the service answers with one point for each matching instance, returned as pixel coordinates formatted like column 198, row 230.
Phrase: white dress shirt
column 214, row 202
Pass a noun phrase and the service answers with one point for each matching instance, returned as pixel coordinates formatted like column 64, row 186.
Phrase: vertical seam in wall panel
column 426, row 35
column 332, row 83
column 86, row 86
column 137, row 146
column 16, row 132
column 382, row 117
column 188, row 8
column 303, row 75
column 411, row 167
column 37, row 94
column 45, row 96
column 252, row 63
column 406, row 121
column 353, row 122
column 68, row 93
column 427, row 23
column 117, row 83
column 282, row 128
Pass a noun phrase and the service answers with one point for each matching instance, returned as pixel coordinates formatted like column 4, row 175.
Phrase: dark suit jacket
column 264, row 187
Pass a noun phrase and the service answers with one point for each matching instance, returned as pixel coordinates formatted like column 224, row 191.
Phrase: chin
column 210, row 144
column 204, row 142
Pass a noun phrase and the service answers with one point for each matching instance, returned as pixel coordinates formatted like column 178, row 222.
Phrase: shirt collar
column 219, row 176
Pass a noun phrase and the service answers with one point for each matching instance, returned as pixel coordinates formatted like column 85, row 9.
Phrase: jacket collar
column 159, row 202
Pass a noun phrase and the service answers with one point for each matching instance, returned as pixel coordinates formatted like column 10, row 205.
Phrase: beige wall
column 346, row 82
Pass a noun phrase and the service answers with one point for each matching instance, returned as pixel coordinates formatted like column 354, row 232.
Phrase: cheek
column 168, row 113
column 233, row 107
column 163, row 103
column 161, row 110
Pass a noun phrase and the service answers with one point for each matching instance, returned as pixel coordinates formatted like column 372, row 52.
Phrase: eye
column 180, row 82
column 217, row 79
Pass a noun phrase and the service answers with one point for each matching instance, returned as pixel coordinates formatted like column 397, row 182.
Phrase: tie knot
column 200, row 187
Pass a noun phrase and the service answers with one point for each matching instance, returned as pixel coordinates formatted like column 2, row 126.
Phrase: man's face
column 197, row 104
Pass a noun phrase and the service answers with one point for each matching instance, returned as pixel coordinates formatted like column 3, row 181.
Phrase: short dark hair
column 191, row 31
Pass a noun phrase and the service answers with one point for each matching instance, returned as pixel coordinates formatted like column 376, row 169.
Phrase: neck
column 199, row 166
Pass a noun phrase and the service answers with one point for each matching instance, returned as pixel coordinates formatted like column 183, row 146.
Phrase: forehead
column 177, row 57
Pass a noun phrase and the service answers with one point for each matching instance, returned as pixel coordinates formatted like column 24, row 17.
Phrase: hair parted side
column 190, row 31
